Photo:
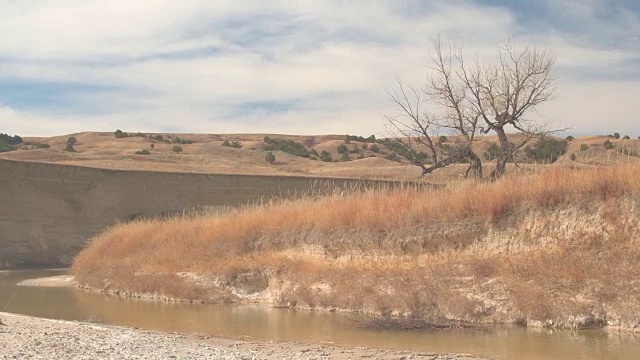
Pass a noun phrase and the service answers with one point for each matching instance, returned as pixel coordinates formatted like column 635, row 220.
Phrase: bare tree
column 468, row 100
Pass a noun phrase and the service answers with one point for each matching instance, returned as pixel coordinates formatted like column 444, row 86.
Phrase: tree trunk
column 501, row 164
column 475, row 165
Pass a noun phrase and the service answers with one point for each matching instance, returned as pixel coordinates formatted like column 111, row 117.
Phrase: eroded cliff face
column 48, row 211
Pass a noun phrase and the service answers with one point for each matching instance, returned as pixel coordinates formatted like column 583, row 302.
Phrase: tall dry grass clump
column 417, row 252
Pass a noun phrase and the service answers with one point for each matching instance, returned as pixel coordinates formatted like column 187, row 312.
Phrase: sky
column 294, row 67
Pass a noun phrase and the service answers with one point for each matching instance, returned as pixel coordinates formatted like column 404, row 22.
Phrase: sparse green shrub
column 143, row 152
column 616, row 135
column 365, row 146
column 393, row 157
column 370, row 139
column 314, row 152
column 547, row 150
column 72, row 140
column 69, row 148
column 10, row 140
column 41, row 146
column 626, row 137
column 345, row 157
column 569, row 138
column 573, row 157
column 177, row 140
column 343, row 149
column 361, row 156
column 374, row 148
column 355, row 149
column 234, row 144
column 608, row 145
column 287, row 146
column 493, row 152
column 326, row 156
column 347, row 139
column 119, row 134
column 443, row 139
column 4, row 147
column 584, row 147
column 177, row 149
column 269, row 157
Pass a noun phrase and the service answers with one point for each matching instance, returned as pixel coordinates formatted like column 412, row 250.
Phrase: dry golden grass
column 422, row 253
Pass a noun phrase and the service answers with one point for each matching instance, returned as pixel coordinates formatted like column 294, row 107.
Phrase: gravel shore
column 25, row 337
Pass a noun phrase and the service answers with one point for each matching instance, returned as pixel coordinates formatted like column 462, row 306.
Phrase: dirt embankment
column 558, row 249
column 49, row 211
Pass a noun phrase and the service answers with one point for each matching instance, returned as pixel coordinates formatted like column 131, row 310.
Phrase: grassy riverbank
column 557, row 248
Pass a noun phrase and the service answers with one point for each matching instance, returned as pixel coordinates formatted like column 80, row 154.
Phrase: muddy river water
column 264, row 323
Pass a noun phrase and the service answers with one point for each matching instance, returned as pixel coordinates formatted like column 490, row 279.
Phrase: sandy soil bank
column 25, row 337
column 51, row 281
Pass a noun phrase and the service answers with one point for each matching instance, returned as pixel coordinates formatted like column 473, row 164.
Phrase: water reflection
column 259, row 322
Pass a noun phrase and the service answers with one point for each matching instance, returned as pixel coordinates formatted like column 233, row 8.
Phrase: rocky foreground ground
column 25, row 337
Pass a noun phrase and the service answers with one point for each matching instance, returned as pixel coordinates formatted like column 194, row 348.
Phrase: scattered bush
column 345, row 157
column 626, row 137
column 177, row 149
column 616, row 135
column 119, row 134
column 10, row 140
column 269, row 157
column 314, row 152
column 343, row 149
column 573, row 157
column 41, row 146
column 365, row 146
column 374, row 148
column 608, row 145
column 153, row 145
column 355, row 149
column 584, row 147
column 4, row 147
column 443, row 139
column 393, row 157
column 370, row 139
column 143, row 152
column 177, row 140
column 234, row 144
column 569, row 138
column 72, row 140
column 326, row 156
column 287, row 146
column 69, row 147
column 547, row 150
column 493, row 152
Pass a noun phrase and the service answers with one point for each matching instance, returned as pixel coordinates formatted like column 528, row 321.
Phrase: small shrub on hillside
column 72, row 140
column 443, row 139
column 343, row 149
column 177, row 149
column 584, row 147
column 626, row 137
column 119, row 134
column 393, row 157
column 10, row 140
column 345, row 157
column 547, row 150
column 355, row 149
column 177, row 140
column 608, row 145
column 234, row 144
column 153, row 146
column 370, row 139
column 69, row 148
column 4, row 147
column 314, row 152
column 569, row 138
column 573, row 157
column 493, row 152
column 361, row 156
column 374, row 148
column 143, row 152
column 160, row 138
column 326, row 156
column 365, row 146
column 288, row 146
column 269, row 157
column 41, row 146
column 616, row 135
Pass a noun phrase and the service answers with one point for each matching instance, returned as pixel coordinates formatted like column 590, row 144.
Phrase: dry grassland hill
column 206, row 153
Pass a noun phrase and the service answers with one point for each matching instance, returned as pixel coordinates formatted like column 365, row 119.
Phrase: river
column 257, row 322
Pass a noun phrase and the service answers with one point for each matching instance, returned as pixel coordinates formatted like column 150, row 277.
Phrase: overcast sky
column 299, row 67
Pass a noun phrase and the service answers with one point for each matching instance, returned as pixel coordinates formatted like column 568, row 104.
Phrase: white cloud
column 331, row 61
